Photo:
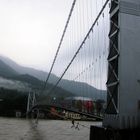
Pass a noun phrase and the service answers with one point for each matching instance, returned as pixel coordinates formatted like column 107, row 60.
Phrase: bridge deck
column 43, row 107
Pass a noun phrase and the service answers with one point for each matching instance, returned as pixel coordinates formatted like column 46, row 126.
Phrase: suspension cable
column 61, row 40
column 83, row 42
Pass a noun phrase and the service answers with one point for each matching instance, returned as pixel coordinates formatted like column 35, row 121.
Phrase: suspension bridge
column 85, row 60
column 99, row 48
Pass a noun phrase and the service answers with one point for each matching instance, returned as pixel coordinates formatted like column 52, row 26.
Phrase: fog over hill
column 41, row 75
column 76, row 88
column 6, row 70
column 14, row 84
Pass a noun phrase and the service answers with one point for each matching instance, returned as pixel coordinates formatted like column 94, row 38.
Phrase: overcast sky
column 30, row 30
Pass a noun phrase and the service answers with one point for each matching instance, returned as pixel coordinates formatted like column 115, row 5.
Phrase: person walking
column 77, row 126
column 73, row 123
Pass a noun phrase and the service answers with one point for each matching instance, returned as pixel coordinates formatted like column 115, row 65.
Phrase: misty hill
column 29, row 79
column 10, row 79
column 14, row 84
column 41, row 75
column 71, row 86
column 6, row 71
column 80, row 88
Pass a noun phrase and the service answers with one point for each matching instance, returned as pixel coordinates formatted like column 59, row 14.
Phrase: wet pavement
column 22, row 129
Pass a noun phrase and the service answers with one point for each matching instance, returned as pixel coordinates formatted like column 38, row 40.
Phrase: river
column 24, row 129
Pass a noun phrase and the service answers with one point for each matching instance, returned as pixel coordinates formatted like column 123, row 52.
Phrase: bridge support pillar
column 30, row 103
column 123, row 84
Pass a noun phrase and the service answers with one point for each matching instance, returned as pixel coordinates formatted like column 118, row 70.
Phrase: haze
column 30, row 30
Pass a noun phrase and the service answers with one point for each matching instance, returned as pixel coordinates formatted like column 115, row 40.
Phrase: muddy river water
column 24, row 129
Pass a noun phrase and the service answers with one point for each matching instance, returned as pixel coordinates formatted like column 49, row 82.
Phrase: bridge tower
column 123, row 84
column 31, row 101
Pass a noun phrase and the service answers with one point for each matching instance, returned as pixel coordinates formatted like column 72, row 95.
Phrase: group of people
column 73, row 124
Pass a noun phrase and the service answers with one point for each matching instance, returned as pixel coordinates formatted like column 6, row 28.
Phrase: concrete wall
column 129, row 67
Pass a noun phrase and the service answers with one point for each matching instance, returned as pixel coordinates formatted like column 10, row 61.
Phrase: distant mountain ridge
column 41, row 75
column 71, row 86
column 12, row 80
column 6, row 70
